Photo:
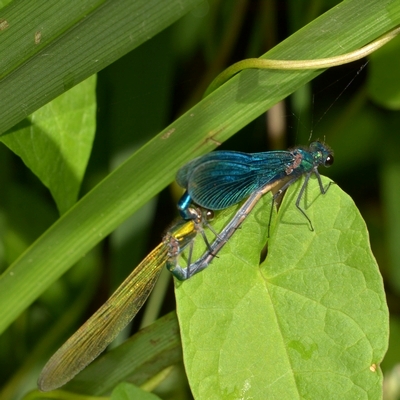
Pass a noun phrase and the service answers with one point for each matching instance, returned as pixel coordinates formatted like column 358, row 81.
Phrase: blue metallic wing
column 183, row 174
column 223, row 178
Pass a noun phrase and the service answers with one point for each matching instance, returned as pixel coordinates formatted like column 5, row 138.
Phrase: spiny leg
column 303, row 188
column 321, row 186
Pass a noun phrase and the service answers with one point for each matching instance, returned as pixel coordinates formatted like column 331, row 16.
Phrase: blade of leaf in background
column 351, row 24
column 383, row 83
column 391, row 196
column 55, row 141
column 21, row 208
column 76, row 40
column 310, row 322
column 383, row 89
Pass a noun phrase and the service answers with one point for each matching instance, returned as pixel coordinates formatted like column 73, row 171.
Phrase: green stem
column 259, row 63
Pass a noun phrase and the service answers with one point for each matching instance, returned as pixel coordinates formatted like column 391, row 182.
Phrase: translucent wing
column 104, row 325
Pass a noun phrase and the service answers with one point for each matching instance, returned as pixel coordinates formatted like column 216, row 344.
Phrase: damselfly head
column 322, row 154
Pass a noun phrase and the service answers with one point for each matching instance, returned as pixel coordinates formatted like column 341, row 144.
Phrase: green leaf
column 55, row 142
column 310, row 322
column 3, row 3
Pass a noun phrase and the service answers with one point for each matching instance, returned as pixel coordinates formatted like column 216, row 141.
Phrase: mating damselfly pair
column 212, row 182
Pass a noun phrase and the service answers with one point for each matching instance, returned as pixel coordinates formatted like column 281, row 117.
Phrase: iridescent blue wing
column 223, row 178
column 183, row 175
